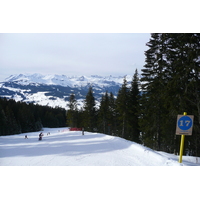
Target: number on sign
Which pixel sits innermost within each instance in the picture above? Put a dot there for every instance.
(184, 124)
(187, 122)
(181, 123)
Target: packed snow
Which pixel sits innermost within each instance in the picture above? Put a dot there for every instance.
(85, 167)
(63, 147)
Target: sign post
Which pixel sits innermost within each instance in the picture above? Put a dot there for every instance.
(184, 127)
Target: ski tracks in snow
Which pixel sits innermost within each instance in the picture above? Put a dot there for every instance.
(70, 148)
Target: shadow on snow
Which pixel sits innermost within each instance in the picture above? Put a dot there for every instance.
(61, 144)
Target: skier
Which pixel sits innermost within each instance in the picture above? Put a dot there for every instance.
(40, 136)
(26, 137)
(82, 131)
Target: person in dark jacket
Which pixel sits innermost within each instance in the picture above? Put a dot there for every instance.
(40, 136)
(82, 131)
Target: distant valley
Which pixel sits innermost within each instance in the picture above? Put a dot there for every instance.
(55, 90)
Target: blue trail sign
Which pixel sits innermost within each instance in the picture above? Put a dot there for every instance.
(184, 124)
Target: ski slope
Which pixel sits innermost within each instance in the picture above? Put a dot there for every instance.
(70, 148)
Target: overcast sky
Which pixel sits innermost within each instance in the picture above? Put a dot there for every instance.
(116, 50)
(78, 37)
(72, 53)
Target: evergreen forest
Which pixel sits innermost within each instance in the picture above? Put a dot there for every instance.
(144, 111)
(20, 117)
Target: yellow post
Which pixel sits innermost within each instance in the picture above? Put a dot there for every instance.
(182, 144)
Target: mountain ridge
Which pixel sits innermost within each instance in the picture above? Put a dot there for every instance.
(54, 79)
(54, 90)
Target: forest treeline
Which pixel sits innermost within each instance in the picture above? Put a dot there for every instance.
(144, 111)
(171, 85)
(20, 117)
(116, 116)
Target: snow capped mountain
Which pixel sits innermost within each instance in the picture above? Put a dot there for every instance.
(25, 79)
(63, 80)
(54, 90)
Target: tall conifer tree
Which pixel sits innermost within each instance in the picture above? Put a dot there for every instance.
(122, 108)
(72, 117)
(112, 109)
(134, 96)
(170, 83)
(183, 91)
(104, 113)
(90, 111)
(153, 84)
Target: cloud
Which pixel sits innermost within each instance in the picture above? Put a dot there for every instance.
(72, 53)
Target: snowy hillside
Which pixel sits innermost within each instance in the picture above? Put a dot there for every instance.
(55, 90)
(70, 148)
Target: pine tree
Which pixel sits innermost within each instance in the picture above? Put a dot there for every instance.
(26, 118)
(105, 114)
(102, 115)
(11, 122)
(170, 83)
(153, 84)
(89, 111)
(3, 125)
(122, 109)
(19, 117)
(184, 81)
(72, 112)
(112, 115)
(134, 97)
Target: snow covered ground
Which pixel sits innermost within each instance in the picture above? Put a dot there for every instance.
(109, 168)
(70, 148)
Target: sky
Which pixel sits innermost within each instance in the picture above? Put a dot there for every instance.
(78, 37)
(72, 53)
